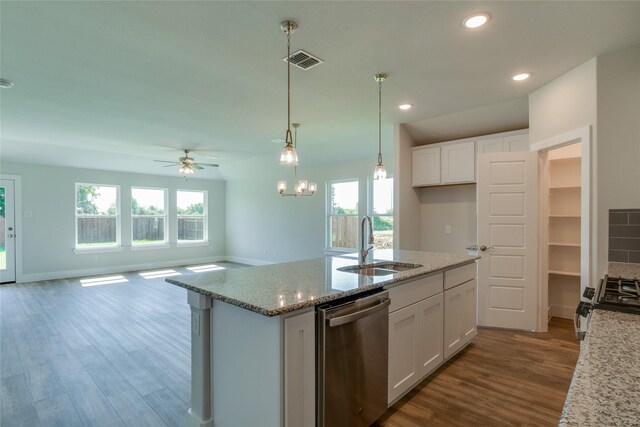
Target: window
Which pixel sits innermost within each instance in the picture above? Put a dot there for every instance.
(381, 212)
(148, 216)
(343, 214)
(97, 216)
(192, 216)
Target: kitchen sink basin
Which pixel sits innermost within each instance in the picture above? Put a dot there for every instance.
(379, 269)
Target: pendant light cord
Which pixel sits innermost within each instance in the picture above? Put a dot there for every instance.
(380, 122)
(288, 135)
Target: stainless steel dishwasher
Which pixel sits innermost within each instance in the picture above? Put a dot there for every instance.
(353, 349)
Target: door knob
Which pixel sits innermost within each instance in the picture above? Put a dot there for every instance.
(10, 228)
(10, 235)
(484, 248)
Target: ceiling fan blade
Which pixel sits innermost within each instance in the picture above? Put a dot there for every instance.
(170, 166)
(196, 166)
(165, 161)
(208, 164)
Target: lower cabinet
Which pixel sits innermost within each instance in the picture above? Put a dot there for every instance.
(415, 344)
(460, 310)
(299, 370)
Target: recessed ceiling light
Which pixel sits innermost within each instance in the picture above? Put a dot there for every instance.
(405, 106)
(6, 84)
(520, 76)
(477, 20)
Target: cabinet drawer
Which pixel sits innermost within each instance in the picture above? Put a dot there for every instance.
(459, 275)
(414, 291)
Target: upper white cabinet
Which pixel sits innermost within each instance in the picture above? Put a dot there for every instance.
(516, 142)
(507, 143)
(454, 162)
(425, 166)
(458, 162)
(492, 145)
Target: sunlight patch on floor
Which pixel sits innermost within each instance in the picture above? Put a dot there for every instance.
(106, 280)
(158, 274)
(203, 268)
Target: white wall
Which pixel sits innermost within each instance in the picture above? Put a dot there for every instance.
(406, 233)
(453, 206)
(566, 104)
(264, 227)
(604, 92)
(48, 236)
(618, 135)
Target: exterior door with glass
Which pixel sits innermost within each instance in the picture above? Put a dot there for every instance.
(7, 232)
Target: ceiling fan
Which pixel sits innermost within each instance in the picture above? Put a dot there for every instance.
(187, 164)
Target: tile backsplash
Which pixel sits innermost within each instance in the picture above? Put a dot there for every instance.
(624, 235)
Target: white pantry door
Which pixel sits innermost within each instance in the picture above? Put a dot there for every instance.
(507, 194)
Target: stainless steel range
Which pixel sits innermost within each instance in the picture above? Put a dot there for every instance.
(614, 294)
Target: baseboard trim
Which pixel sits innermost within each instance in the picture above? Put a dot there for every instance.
(53, 275)
(562, 311)
(249, 261)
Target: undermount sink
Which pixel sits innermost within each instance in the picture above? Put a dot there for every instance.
(379, 269)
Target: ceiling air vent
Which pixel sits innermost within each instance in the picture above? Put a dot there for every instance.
(303, 60)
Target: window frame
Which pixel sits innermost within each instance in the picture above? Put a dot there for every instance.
(370, 200)
(205, 216)
(165, 242)
(329, 215)
(112, 247)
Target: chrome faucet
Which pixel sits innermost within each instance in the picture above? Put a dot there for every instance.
(365, 251)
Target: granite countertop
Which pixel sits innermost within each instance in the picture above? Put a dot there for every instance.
(624, 269)
(275, 289)
(605, 390)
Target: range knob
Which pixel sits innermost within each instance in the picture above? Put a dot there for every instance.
(589, 293)
(584, 308)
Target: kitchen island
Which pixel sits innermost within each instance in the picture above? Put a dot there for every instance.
(253, 330)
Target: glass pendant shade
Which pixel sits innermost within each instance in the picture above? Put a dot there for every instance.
(302, 185)
(282, 186)
(313, 187)
(289, 157)
(380, 172)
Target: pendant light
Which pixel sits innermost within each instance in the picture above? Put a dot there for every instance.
(380, 172)
(300, 187)
(288, 157)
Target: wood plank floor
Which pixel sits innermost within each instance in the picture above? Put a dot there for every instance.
(504, 378)
(117, 354)
(110, 353)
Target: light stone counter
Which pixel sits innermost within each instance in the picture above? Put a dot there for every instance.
(624, 269)
(605, 390)
(276, 289)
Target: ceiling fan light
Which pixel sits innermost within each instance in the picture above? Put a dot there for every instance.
(289, 156)
(380, 172)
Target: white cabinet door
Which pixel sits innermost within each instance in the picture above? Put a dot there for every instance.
(460, 308)
(516, 142)
(452, 320)
(493, 145)
(458, 162)
(403, 350)
(469, 321)
(299, 365)
(430, 354)
(425, 166)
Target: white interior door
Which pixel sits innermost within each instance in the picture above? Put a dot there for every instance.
(7, 232)
(507, 236)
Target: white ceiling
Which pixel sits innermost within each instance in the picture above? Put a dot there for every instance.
(113, 85)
